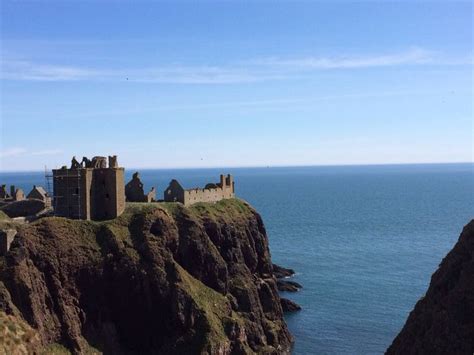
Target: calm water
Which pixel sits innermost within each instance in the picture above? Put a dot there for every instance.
(363, 240)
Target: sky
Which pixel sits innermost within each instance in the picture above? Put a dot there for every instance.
(236, 83)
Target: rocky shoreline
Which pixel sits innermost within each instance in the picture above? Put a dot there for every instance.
(284, 285)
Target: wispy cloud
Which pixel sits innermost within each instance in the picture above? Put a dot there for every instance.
(414, 56)
(19, 151)
(294, 102)
(257, 70)
(47, 152)
(12, 152)
(24, 70)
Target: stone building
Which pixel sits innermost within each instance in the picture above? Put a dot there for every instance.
(3, 192)
(89, 189)
(17, 194)
(210, 193)
(14, 195)
(39, 193)
(134, 191)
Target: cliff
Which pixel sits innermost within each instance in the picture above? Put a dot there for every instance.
(443, 321)
(161, 278)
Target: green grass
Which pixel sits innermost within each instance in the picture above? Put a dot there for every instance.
(55, 349)
(214, 306)
(16, 336)
(4, 217)
(140, 207)
(229, 209)
(58, 349)
(216, 310)
(171, 207)
(7, 223)
(91, 237)
(223, 210)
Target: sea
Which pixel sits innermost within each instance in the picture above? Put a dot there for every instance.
(363, 240)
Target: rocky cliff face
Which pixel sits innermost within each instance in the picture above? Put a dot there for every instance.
(161, 278)
(443, 321)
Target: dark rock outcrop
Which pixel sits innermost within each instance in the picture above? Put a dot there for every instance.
(284, 285)
(443, 321)
(159, 279)
(288, 305)
(288, 286)
(281, 272)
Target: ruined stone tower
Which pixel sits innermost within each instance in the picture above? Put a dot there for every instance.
(90, 189)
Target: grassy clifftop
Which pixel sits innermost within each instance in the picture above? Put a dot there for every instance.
(229, 208)
(160, 278)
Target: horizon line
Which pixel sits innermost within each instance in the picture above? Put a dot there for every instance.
(268, 166)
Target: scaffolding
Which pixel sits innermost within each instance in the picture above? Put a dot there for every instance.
(66, 195)
(48, 180)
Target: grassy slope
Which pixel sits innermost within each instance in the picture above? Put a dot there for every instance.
(214, 305)
(17, 337)
(3, 216)
(6, 222)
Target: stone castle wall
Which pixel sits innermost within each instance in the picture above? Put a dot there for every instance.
(108, 193)
(134, 191)
(89, 193)
(72, 192)
(211, 193)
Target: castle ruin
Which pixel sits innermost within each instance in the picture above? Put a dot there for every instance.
(89, 189)
(39, 193)
(14, 195)
(134, 191)
(95, 190)
(212, 192)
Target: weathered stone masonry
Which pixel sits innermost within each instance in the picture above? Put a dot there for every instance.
(210, 193)
(135, 193)
(90, 189)
(15, 194)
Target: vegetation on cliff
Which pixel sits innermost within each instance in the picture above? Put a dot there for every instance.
(161, 278)
(3, 216)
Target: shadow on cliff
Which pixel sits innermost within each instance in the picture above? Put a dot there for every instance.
(158, 279)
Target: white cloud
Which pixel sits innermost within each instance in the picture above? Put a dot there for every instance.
(47, 152)
(414, 56)
(12, 152)
(24, 70)
(19, 151)
(258, 70)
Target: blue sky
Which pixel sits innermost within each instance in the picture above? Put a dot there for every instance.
(236, 83)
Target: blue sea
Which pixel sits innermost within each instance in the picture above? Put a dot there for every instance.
(364, 240)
